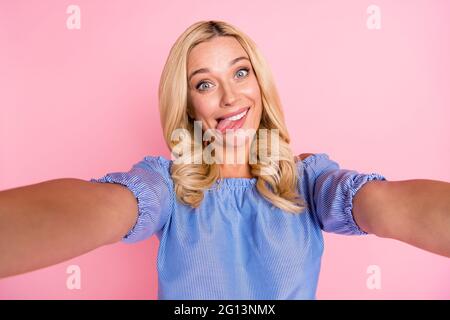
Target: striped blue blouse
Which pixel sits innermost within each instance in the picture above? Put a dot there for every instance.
(237, 245)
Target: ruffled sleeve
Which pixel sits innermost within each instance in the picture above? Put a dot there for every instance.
(331, 191)
(150, 182)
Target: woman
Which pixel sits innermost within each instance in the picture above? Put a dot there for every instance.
(228, 229)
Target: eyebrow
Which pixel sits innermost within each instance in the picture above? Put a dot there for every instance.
(206, 70)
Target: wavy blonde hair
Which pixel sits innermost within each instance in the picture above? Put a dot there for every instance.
(276, 180)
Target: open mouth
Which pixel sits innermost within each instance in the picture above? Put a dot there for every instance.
(232, 122)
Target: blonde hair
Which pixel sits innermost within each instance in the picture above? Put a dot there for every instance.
(279, 186)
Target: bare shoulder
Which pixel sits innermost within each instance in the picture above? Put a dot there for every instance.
(302, 156)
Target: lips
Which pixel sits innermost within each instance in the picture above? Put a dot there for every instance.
(233, 113)
(226, 123)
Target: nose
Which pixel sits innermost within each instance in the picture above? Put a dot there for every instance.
(229, 95)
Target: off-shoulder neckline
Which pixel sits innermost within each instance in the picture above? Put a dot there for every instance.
(244, 182)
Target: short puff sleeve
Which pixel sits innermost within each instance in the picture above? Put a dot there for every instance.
(150, 182)
(332, 191)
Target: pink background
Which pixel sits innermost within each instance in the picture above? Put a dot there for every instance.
(81, 103)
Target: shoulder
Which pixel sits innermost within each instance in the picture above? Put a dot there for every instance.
(316, 162)
(156, 165)
(303, 156)
(157, 162)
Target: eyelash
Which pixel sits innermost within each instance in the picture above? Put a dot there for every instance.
(201, 82)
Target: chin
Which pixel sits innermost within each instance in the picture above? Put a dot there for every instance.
(237, 138)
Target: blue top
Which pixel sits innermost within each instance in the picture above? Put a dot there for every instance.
(237, 245)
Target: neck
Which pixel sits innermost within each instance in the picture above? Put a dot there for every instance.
(235, 171)
(236, 164)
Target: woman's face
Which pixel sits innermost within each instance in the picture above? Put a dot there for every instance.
(221, 84)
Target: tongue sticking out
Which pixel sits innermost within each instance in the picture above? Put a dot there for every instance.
(224, 124)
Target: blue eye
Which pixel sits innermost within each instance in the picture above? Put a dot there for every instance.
(200, 84)
(245, 69)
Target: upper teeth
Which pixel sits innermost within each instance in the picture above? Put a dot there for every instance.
(238, 116)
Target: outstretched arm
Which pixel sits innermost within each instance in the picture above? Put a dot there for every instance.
(56, 220)
(413, 211)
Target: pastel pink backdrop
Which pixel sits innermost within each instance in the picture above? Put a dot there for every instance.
(81, 103)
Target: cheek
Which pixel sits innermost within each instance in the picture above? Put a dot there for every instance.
(255, 95)
(252, 91)
(203, 113)
(202, 108)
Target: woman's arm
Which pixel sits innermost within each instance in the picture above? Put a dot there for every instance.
(53, 221)
(413, 211)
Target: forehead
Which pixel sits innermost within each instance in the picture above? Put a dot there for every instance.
(218, 51)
